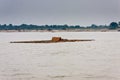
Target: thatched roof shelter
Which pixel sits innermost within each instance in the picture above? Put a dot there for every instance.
(56, 39)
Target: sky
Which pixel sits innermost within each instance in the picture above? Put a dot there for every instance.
(71, 12)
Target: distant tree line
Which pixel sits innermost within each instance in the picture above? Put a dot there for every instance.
(112, 25)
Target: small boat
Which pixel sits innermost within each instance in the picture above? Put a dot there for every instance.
(54, 40)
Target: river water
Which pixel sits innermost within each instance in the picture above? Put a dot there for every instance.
(94, 60)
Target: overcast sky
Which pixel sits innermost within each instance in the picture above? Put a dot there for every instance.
(71, 12)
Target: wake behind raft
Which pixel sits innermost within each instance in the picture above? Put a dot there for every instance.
(54, 40)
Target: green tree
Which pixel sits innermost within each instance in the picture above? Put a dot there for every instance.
(119, 23)
(113, 25)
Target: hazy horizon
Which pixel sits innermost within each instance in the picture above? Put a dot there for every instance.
(71, 12)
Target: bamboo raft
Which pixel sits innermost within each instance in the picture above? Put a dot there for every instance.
(54, 40)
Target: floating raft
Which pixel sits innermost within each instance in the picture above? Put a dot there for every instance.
(54, 40)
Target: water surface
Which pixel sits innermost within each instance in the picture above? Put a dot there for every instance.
(96, 60)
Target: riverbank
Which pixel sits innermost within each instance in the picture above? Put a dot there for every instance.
(76, 30)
